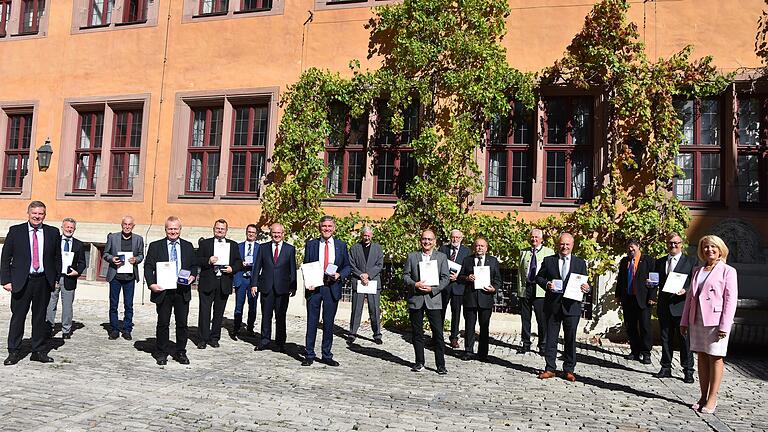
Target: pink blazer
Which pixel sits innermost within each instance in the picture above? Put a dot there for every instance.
(717, 301)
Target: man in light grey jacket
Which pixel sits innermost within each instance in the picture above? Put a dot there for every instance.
(367, 260)
(423, 295)
(123, 250)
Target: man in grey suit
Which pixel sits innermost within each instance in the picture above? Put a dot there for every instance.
(367, 260)
(122, 248)
(422, 296)
(530, 294)
(454, 292)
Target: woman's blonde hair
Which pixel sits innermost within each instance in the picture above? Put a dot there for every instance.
(715, 240)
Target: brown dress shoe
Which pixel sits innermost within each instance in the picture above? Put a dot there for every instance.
(546, 374)
(569, 376)
(455, 343)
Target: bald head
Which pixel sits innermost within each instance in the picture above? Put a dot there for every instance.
(565, 244)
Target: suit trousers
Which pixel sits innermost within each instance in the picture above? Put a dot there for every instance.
(530, 304)
(471, 316)
(277, 304)
(669, 327)
(209, 328)
(320, 298)
(37, 295)
(127, 287)
(569, 323)
(243, 293)
(172, 302)
(67, 299)
(417, 331)
(374, 312)
(456, 301)
(637, 322)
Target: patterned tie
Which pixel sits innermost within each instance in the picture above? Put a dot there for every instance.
(66, 245)
(532, 267)
(250, 249)
(454, 251)
(564, 268)
(175, 256)
(35, 250)
(325, 259)
(631, 276)
(670, 260)
(277, 252)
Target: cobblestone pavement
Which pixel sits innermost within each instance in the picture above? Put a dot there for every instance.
(99, 384)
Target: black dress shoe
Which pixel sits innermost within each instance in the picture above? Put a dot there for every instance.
(663, 373)
(66, 335)
(645, 359)
(214, 344)
(280, 348)
(482, 358)
(688, 378)
(201, 345)
(127, 336)
(182, 358)
(442, 370)
(468, 356)
(307, 362)
(378, 341)
(632, 356)
(114, 335)
(162, 361)
(329, 362)
(13, 358)
(418, 367)
(40, 357)
(523, 349)
(351, 340)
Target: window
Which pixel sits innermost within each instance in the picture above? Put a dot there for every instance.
(509, 141)
(394, 163)
(751, 162)
(205, 10)
(100, 12)
(89, 16)
(248, 151)
(568, 149)
(209, 7)
(31, 12)
(345, 152)
(125, 151)
(700, 152)
(18, 143)
(5, 16)
(88, 152)
(135, 11)
(204, 149)
(255, 5)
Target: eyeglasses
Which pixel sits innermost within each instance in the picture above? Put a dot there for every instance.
(427, 239)
(673, 243)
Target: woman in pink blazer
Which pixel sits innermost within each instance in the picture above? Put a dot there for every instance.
(708, 316)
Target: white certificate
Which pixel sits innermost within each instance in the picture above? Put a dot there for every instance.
(66, 260)
(454, 267)
(573, 289)
(313, 274)
(675, 282)
(166, 274)
(248, 260)
(331, 269)
(367, 289)
(126, 267)
(482, 277)
(221, 251)
(429, 273)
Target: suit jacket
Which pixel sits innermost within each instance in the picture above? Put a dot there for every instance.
(716, 299)
(17, 256)
(112, 249)
(642, 292)
(372, 266)
(479, 298)
(525, 263)
(158, 252)
(341, 259)
(455, 287)
(209, 282)
(78, 264)
(417, 299)
(550, 270)
(267, 275)
(240, 278)
(672, 304)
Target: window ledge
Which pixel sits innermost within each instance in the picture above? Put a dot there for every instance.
(118, 194)
(212, 14)
(559, 204)
(383, 200)
(240, 197)
(100, 26)
(248, 11)
(34, 33)
(342, 198)
(80, 194)
(124, 24)
(10, 192)
(198, 197)
(490, 202)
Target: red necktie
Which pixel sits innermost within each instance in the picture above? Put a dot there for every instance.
(277, 252)
(35, 250)
(325, 259)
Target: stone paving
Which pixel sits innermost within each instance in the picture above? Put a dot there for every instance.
(98, 384)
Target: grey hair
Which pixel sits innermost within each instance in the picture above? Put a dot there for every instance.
(69, 219)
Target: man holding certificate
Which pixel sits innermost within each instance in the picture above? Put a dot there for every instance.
(72, 266)
(636, 298)
(123, 251)
(456, 252)
(218, 258)
(242, 282)
(565, 278)
(169, 270)
(425, 275)
(331, 254)
(482, 278)
(670, 307)
(366, 259)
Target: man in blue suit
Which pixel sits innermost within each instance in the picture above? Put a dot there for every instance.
(325, 250)
(242, 282)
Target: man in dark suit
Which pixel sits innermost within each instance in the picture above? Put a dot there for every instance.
(215, 283)
(73, 248)
(29, 269)
(274, 276)
(242, 282)
(326, 250)
(554, 275)
(367, 260)
(670, 308)
(123, 249)
(180, 255)
(456, 252)
(636, 298)
(478, 303)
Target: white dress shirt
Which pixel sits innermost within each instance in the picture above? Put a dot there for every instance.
(321, 246)
(40, 244)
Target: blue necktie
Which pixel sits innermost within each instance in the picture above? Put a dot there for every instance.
(630, 275)
(66, 245)
(175, 256)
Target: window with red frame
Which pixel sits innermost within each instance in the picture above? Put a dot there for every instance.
(90, 130)
(255, 5)
(509, 141)
(700, 151)
(134, 11)
(204, 149)
(248, 150)
(345, 152)
(5, 16)
(568, 148)
(394, 163)
(752, 158)
(17, 146)
(31, 12)
(212, 7)
(100, 12)
(125, 150)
